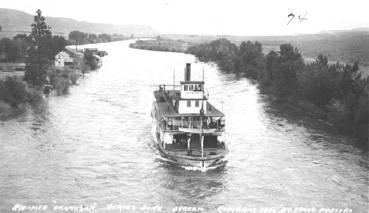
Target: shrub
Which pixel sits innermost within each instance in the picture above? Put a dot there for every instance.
(61, 85)
(90, 60)
(34, 95)
(13, 91)
(74, 76)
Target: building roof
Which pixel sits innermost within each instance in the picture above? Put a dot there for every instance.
(63, 53)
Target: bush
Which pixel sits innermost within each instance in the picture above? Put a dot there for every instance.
(34, 95)
(13, 91)
(335, 92)
(74, 76)
(61, 80)
(222, 51)
(61, 85)
(9, 50)
(90, 60)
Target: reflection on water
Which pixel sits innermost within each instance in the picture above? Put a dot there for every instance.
(95, 146)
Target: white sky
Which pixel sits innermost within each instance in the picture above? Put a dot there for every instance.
(233, 17)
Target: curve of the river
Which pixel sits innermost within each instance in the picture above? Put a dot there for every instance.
(95, 146)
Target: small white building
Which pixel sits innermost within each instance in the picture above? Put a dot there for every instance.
(63, 58)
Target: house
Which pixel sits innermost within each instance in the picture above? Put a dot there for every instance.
(67, 58)
(63, 59)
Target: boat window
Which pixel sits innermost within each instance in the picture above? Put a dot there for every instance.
(189, 103)
(191, 87)
(197, 103)
(185, 87)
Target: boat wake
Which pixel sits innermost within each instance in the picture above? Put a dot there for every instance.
(167, 161)
(201, 169)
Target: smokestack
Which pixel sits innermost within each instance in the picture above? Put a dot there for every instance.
(187, 76)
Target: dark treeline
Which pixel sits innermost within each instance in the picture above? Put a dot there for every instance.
(38, 50)
(77, 37)
(334, 92)
(15, 49)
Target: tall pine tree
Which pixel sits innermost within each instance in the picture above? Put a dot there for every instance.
(38, 53)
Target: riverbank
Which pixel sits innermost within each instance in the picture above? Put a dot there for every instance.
(328, 119)
(332, 92)
(83, 147)
(15, 93)
(166, 45)
(335, 93)
(80, 38)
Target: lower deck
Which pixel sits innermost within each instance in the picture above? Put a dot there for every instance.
(189, 145)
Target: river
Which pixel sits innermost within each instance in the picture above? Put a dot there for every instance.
(94, 146)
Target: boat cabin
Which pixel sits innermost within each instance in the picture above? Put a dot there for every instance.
(188, 108)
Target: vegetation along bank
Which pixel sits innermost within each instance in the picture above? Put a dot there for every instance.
(336, 92)
(39, 64)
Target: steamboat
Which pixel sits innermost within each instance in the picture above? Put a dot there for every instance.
(189, 131)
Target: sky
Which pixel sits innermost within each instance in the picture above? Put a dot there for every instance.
(221, 17)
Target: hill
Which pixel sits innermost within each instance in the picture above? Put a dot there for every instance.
(345, 45)
(14, 22)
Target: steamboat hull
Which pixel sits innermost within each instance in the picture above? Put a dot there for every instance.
(194, 162)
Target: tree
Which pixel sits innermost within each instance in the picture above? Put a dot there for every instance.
(23, 42)
(92, 38)
(8, 50)
(222, 51)
(250, 59)
(38, 54)
(316, 82)
(55, 45)
(266, 76)
(90, 60)
(78, 37)
(285, 76)
(13, 91)
(104, 37)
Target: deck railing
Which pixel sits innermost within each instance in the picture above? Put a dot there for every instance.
(175, 125)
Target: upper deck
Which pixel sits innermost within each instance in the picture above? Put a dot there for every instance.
(165, 103)
(187, 109)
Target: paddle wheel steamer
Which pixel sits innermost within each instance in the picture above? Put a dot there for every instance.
(188, 129)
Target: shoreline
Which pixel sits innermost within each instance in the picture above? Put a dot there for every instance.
(18, 93)
(318, 116)
(162, 45)
(326, 115)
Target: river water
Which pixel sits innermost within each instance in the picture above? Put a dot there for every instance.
(94, 147)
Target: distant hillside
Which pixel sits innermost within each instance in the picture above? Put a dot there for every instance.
(346, 45)
(13, 22)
